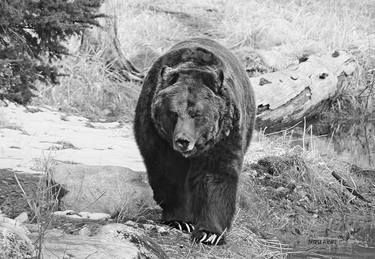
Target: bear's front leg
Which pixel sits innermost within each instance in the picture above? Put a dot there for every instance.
(213, 203)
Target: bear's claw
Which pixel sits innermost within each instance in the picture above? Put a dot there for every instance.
(180, 225)
(208, 238)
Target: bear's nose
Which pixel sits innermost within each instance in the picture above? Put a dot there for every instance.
(182, 143)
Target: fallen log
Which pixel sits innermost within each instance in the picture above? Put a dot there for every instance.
(285, 97)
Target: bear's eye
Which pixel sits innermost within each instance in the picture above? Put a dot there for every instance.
(172, 116)
(195, 113)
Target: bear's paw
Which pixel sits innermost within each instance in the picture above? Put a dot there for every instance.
(180, 225)
(207, 238)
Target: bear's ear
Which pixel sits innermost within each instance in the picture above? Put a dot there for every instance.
(220, 77)
(214, 80)
(169, 75)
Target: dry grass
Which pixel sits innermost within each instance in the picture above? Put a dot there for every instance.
(330, 25)
(356, 98)
(319, 207)
(269, 224)
(91, 89)
(42, 202)
(312, 26)
(291, 27)
(242, 243)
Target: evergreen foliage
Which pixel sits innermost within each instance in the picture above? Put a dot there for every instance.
(31, 36)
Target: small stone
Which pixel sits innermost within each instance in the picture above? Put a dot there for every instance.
(131, 223)
(264, 81)
(85, 231)
(294, 77)
(64, 213)
(323, 76)
(14, 242)
(103, 188)
(335, 54)
(304, 58)
(68, 214)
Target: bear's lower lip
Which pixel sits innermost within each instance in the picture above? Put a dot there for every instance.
(187, 153)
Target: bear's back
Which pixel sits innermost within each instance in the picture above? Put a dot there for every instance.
(209, 52)
(204, 52)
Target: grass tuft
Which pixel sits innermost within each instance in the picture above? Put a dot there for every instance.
(43, 201)
(91, 89)
(290, 194)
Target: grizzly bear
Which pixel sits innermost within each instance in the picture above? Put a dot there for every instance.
(193, 123)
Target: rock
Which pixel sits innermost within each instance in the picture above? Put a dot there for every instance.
(64, 213)
(147, 247)
(107, 189)
(94, 216)
(14, 242)
(71, 214)
(22, 218)
(82, 215)
(109, 241)
(60, 245)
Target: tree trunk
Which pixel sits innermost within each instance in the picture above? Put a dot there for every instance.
(285, 97)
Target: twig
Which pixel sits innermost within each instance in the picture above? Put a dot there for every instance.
(348, 187)
(23, 191)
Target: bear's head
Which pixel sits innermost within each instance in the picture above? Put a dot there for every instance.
(188, 109)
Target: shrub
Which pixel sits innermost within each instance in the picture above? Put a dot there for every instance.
(32, 33)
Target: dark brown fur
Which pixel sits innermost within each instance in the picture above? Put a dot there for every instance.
(198, 90)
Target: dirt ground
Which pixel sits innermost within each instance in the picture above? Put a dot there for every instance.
(12, 200)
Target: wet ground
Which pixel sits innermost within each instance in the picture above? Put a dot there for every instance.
(350, 141)
(352, 144)
(12, 198)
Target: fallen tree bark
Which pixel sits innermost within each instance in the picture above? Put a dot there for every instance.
(285, 97)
